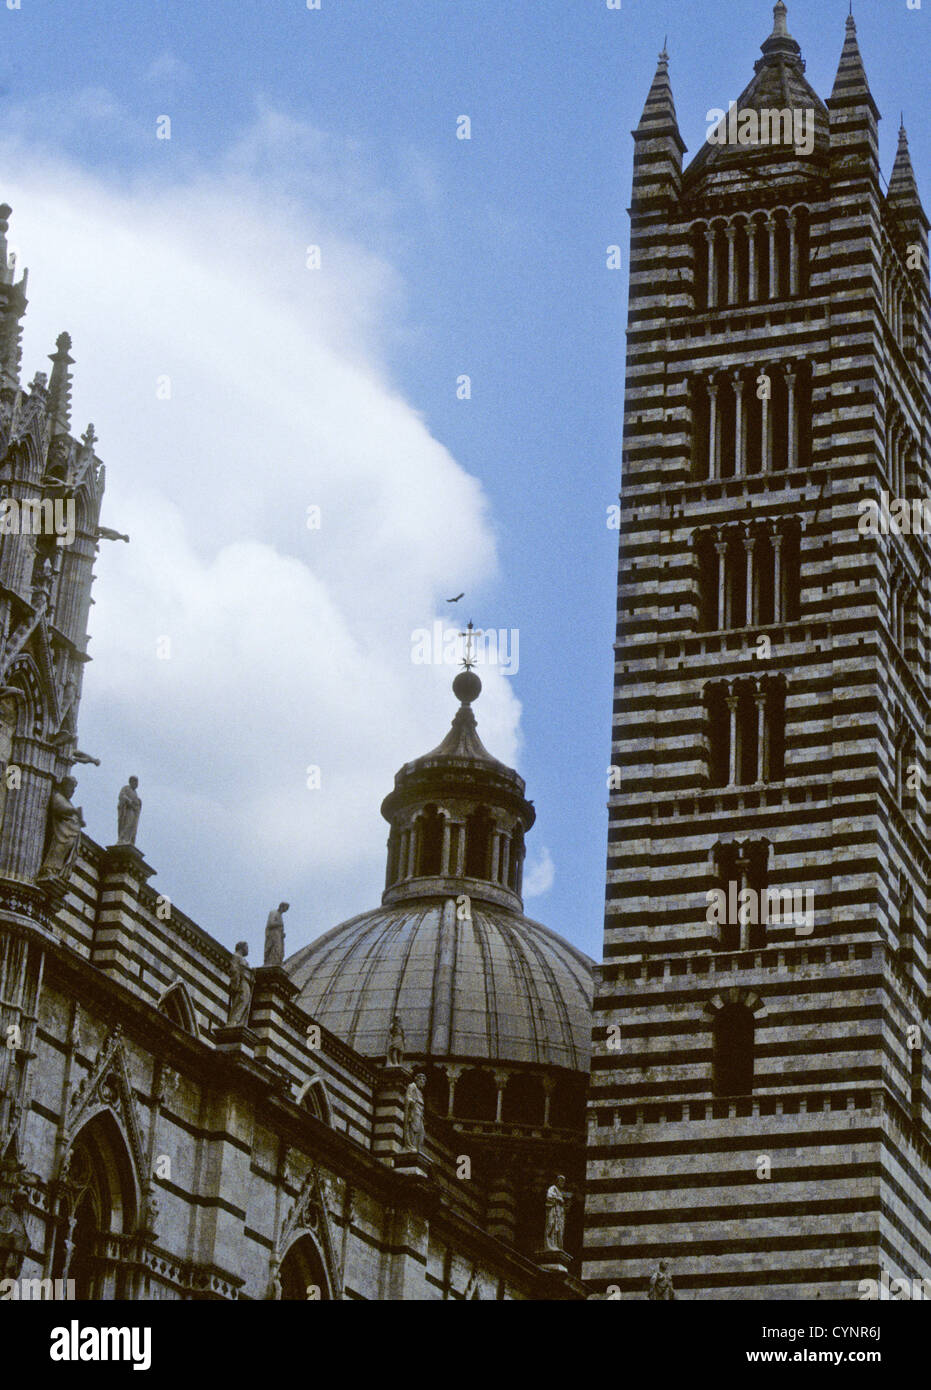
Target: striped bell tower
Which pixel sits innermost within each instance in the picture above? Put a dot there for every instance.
(760, 1106)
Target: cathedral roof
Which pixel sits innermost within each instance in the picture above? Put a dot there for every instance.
(778, 84)
(496, 986)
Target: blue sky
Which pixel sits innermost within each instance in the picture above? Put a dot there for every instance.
(487, 257)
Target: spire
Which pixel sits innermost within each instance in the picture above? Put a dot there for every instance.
(903, 194)
(850, 85)
(659, 112)
(780, 46)
(902, 185)
(658, 146)
(59, 388)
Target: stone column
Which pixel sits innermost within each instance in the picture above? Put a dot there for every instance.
(495, 854)
(791, 421)
(739, 460)
(453, 1073)
(505, 864)
(721, 548)
(447, 844)
(459, 856)
(741, 866)
(712, 428)
(732, 751)
(753, 276)
(766, 450)
(762, 751)
(731, 233)
(404, 849)
(793, 256)
(501, 1081)
(773, 282)
(712, 278)
(777, 577)
(751, 614)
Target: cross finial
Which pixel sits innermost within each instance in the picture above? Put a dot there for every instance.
(468, 660)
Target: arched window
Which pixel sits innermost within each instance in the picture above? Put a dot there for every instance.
(732, 1051)
(476, 1096)
(431, 843)
(523, 1102)
(478, 844)
(303, 1273)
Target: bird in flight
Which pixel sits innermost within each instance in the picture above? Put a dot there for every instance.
(456, 599)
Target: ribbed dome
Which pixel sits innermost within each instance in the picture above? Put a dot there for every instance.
(497, 987)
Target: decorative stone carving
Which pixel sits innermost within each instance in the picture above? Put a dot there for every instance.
(661, 1283)
(557, 1200)
(240, 987)
(129, 804)
(413, 1114)
(63, 835)
(396, 1043)
(274, 936)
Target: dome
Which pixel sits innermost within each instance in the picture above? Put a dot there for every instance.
(450, 951)
(494, 986)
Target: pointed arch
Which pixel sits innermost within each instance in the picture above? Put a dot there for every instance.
(103, 1200)
(176, 1003)
(303, 1272)
(313, 1096)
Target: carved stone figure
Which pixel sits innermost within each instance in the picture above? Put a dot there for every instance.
(396, 1043)
(274, 1291)
(128, 806)
(557, 1200)
(8, 698)
(274, 936)
(413, 1114)
(63, 834)
(240, 987)
(14, 1239)
(661, 1283)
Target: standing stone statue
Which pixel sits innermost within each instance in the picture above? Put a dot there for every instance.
(240, 987)
(413, 1114)
(127, 813)
(14, 1240)
(63, 834)
(274, 936)
(661, 1283)
(396, 1043)
(557, 1200)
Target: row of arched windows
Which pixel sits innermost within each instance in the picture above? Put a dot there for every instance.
(751, 258)
(435, 845)
(751, 421)
(901, 453)
(748, 574)
(746, 731)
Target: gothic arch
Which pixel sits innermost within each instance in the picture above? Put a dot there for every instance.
(100, 1200)
(176, 1003)
(314, 1097)
(303, 1267)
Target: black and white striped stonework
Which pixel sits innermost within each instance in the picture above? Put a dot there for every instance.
(760, 1107)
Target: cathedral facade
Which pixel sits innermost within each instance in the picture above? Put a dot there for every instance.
(761, 1099)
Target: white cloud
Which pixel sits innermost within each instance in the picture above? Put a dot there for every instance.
(539, 873)
(289, 647)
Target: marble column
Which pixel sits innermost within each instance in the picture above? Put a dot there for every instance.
(732, 712)
(721, 548)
